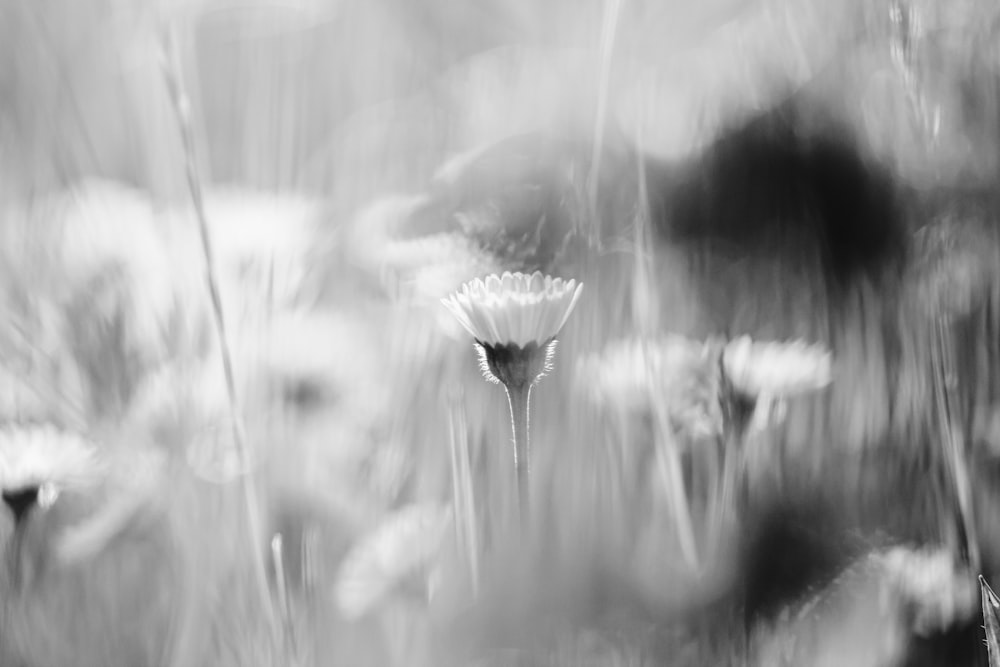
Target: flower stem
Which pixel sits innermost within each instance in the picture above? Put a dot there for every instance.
(954, 446)
(668, 461)
(732, 476)
(182, 110)
(462, 491)
(519, 400)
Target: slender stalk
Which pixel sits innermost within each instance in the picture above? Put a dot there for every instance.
(609, 28)
(954, 446)
(725, 504)
(669, 463)
(464, 501)
(284, 604)
(519, 400)
(15, 555)
(182, 109)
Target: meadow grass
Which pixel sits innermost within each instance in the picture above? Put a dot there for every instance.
(382, 405)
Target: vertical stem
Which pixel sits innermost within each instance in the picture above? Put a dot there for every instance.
(669, 463)
(733, 498)
(182, 109)
(519, 399)
(668, 459)
(465, 509)
(726, 502)
(15, 563)
(954, 446)
(281, 579)
(609, 27)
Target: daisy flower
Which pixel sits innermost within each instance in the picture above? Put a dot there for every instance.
(37, 464)
(515, 308)
(756, 380)
(780, 370)
(37, 455)
(670, 371)
(514, 319)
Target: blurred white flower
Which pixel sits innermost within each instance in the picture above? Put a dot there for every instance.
(102, 233)
(100, 223)
(431, 267)
(32, 455)
(940, 592)
(776, 369)
(955, 265)
(671, 372)
(261, 241)
(404, 545)
(514, 308)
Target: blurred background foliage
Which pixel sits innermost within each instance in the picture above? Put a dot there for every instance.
(779, 168)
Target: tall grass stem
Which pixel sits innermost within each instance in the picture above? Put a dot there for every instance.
(182, 109)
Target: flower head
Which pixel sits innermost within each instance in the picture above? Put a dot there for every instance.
(776, 369)
(954, 266)
(515, 308)
(676, 373)
(41, 454)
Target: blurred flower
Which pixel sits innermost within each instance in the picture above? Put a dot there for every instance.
(403, 546)
(112, 259)
(37, 464)
(37, 454)
(776, 369)
(768, 411)
(262, 245)
(675, 373)
(433, 266)
(937, 591)
(514, 308)
(99, 224)
(955, 265)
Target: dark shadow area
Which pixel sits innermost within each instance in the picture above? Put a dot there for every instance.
(773, 187)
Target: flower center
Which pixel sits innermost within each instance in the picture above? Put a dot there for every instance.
(21, 501)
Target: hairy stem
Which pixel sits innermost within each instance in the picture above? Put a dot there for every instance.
(519, 400)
